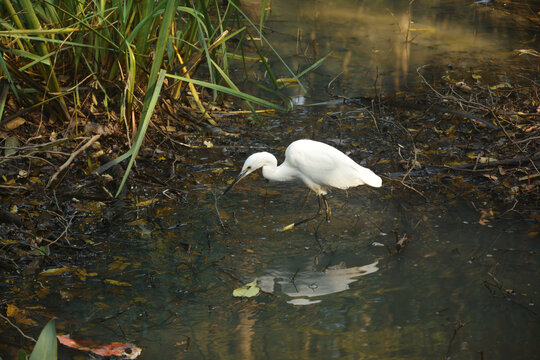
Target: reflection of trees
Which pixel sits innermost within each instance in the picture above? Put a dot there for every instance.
(374, 42)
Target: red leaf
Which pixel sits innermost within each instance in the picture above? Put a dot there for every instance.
(127, 350)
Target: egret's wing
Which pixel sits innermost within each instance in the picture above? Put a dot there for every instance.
(319, 164)
(326, 166)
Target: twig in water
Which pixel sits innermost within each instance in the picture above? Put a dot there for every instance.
(334, 79)
(66, 223)
(17, 328)
(511, 209)
(458, 326)
(72, 157)
(217, 209)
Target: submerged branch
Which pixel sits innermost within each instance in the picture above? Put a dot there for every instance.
(72, 157)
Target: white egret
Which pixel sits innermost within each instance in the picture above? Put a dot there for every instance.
(318, 165)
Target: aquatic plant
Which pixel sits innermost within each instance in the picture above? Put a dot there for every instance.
(76, 60)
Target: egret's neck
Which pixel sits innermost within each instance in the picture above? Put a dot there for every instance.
(278, 173)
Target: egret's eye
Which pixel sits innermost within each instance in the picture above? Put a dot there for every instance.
(249, 167)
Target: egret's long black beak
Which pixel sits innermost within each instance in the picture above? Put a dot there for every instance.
(237, 179)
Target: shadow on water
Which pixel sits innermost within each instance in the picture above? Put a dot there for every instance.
(465, 286)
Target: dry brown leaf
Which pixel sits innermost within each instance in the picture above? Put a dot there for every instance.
(146, 202)
(463, 86)
(15, 123)
(82, 274)
(208, 143)
(402, 242)
(486, 216)
(55, 271)
(118, 265)
(486, 160)
(117, 283)
(20, 315)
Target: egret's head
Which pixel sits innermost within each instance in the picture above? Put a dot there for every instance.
(252, 163)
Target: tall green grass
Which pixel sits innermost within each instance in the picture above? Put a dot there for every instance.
(116, 46)
(54, 51)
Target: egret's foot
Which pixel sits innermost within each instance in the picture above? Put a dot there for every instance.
(327, 208)
(328, 214)
(288, 227)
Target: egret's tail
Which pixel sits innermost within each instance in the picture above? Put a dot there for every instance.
(368, 177)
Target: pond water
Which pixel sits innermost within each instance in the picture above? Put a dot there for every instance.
(331, 290)
(464, 287)
(374, 45)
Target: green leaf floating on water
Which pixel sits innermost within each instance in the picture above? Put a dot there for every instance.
(249, 290)
(46, 345)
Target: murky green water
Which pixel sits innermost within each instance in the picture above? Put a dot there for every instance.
(460, 289)
(331, 290)
(374, 45)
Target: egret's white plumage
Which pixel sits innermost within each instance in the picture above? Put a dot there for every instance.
(318, 165)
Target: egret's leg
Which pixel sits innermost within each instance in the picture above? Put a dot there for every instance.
(320, 197)
(305, 197)
(319, 213)
(327, 207)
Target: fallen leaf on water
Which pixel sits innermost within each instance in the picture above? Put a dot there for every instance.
(491, 177)
(208, 143)
(34, 180)
(117, 283)
(20, 315)
(455, 163)
(476, 77)
(402, 242)
(92, 207)
(486, 160)
(124, 350)
(249, 290)
(481, 159)
(500, 86)
(118, 265)
(146, 202)
(66, 295)
(463, 86)
(54, 272)
(82, 274)
(486, 216)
